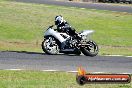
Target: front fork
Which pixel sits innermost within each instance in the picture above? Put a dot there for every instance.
(52, 41)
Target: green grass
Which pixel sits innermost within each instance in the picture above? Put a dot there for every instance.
(37, 79)
(25, 23)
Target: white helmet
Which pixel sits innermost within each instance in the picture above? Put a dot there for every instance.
(58, 20)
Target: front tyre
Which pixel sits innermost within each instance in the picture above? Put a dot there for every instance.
(50, 46)
(90, 50)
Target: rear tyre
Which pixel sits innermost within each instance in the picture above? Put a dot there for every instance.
(91, 50)
(78, 52)
(113, 1)
(118, 1)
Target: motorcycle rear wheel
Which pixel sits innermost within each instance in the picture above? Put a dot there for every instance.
(91, 50)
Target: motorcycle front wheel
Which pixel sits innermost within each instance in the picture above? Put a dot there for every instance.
(90, 50)
(50, 46)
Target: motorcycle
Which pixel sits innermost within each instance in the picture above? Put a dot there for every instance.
(53, 40)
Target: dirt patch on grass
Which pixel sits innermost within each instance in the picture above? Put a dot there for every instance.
(20, 46)
(115, 50)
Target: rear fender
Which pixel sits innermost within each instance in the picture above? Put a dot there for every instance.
(86, 32)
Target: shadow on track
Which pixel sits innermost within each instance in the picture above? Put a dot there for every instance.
(39, 53)
(25, 52)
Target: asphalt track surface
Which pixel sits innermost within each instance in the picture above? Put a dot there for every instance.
(98, 6)
(41, 61)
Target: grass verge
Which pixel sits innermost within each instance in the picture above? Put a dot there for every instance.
(37, 79)
(22, 26)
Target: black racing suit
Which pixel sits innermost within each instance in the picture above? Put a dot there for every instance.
(65, 27)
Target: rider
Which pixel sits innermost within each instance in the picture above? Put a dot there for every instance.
(63, 26)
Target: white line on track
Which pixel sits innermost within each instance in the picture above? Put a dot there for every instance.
(116, 55)
(73, 7)
(50, 70)
(82, 8)
(64, 71)
(98, 72)
(14, 69)
(126, 73)
(72, 71)
(128, 56)
(113, 55)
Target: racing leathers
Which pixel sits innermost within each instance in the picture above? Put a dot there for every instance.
(66, 28)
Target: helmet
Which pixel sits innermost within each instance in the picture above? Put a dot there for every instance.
(58, 20)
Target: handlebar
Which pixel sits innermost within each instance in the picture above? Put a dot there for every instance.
(51, 26)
